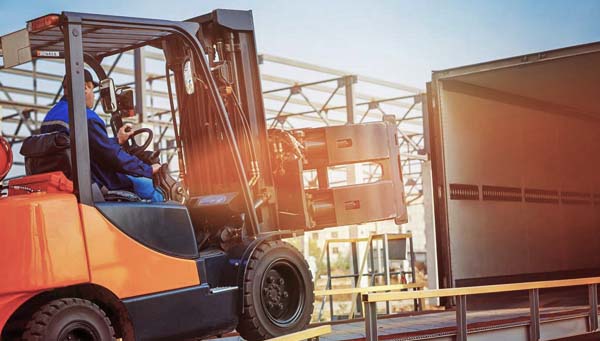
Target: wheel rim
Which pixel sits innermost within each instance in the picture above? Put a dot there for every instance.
(282, 293)
(79, 331)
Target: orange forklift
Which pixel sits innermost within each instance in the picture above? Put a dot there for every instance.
(81, 263)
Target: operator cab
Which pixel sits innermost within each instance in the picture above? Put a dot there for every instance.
(207, 215)
(219, 143)
(51, 152)
(165, 227)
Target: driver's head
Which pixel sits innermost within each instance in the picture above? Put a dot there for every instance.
(90, 84)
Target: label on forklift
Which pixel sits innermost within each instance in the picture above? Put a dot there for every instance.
(47, 182)
(55, 54)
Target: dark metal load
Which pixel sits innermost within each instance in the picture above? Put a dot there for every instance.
(322, 148)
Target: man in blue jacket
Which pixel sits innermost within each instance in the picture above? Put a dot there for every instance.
(111, 166)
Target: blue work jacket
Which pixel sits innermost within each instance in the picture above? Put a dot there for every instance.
(108, 161)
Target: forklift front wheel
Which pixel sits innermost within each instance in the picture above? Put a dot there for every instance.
(278, 292)
(69, 319)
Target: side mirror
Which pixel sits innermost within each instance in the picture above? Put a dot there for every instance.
(125, 101)
(108, 96)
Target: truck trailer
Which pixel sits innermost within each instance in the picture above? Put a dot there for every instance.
(514, 146)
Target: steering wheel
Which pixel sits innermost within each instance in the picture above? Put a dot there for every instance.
(135, 148)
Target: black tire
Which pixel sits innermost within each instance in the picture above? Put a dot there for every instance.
(69, 319)
(273, 307)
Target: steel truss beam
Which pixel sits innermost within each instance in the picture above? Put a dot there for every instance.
(20, 117)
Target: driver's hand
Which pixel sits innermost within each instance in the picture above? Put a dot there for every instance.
(155, 168)
(124, 133)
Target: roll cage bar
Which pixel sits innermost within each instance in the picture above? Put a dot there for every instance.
(88, 38)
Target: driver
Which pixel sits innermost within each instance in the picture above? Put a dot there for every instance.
(111, 166)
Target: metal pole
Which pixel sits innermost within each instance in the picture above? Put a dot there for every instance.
(35, 87)
(356, 272)
(234, 63)
(430, 242)
(534, 308)
(386, 260)
(324, 298)
(371, 321)
(461, 318)
(386, 266)
(412, 270)
(372, 261)
(313, 67)
(349, 91)
(593, 300)
(329, 283)
(80, 153)
(140, 82)
(17, 130)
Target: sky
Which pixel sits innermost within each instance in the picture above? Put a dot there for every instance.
(401, 41)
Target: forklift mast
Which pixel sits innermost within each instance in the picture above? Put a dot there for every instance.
(275, 160)
(227, 38)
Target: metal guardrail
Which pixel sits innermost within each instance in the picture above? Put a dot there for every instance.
(372, 289)
(368, 256)
(311, 333)
(370, 301)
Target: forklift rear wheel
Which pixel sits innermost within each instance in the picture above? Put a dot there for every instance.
(278, 292)
(69, 319)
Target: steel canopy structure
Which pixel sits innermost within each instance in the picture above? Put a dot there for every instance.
(296, 95)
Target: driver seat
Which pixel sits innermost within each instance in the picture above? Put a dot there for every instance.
(46, 153)
(51, 152)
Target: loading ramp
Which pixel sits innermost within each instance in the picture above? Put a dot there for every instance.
(503, 324)
(568, 322)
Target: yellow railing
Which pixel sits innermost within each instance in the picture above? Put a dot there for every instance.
(365, 290)
(370, 301)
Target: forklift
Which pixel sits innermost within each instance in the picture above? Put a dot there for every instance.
(79, 262)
